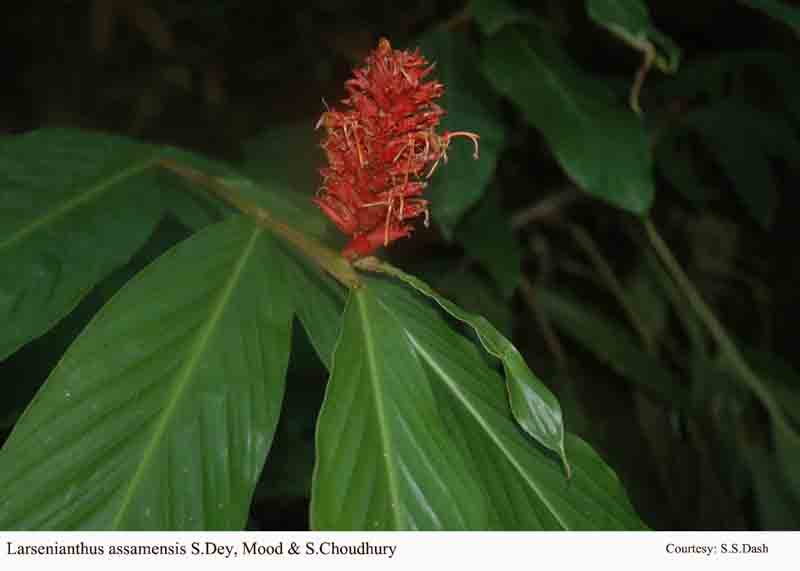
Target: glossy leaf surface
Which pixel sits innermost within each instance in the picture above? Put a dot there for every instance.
(373, 451)
(533, 405)
(160, 415)
(384, 458)
(74, 206)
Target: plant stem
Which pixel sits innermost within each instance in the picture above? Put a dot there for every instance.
(328, 259)
(730, 356)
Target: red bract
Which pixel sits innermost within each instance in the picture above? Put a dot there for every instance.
(382, 148)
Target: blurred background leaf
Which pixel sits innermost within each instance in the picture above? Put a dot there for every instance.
(743, 139)
(601, 145)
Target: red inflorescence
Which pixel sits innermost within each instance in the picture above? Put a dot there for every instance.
(382, 148)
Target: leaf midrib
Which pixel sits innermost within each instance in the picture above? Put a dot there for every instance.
(483, 424)
(185, 374)
(380, 411)
(63, 209)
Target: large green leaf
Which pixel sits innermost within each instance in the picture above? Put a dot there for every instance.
(533, 405)
(161, 413)
(471, 106)
(396, 434)
(602, 146)
(384, 458)
(630, 21)
(73, 207)
(191, 199)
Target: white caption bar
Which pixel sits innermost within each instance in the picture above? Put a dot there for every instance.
(249, 550)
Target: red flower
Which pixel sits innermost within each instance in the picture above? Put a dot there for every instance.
(382, 148)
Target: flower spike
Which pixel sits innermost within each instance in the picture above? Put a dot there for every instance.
(381, 147)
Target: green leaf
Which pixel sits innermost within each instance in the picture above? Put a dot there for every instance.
(536, 409)
(435, 386)
(789, 15)
(275, 194)
(75, 206)
(602, 146)
(282, 169)
(282, 158)
(471, 106)
(494, 15)
(160, 415)
(611, 343)
(488, 238)
(189, 202)
(293, 208)
(384, 458)
(191, 206)
(318, 302)
(630, 21)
